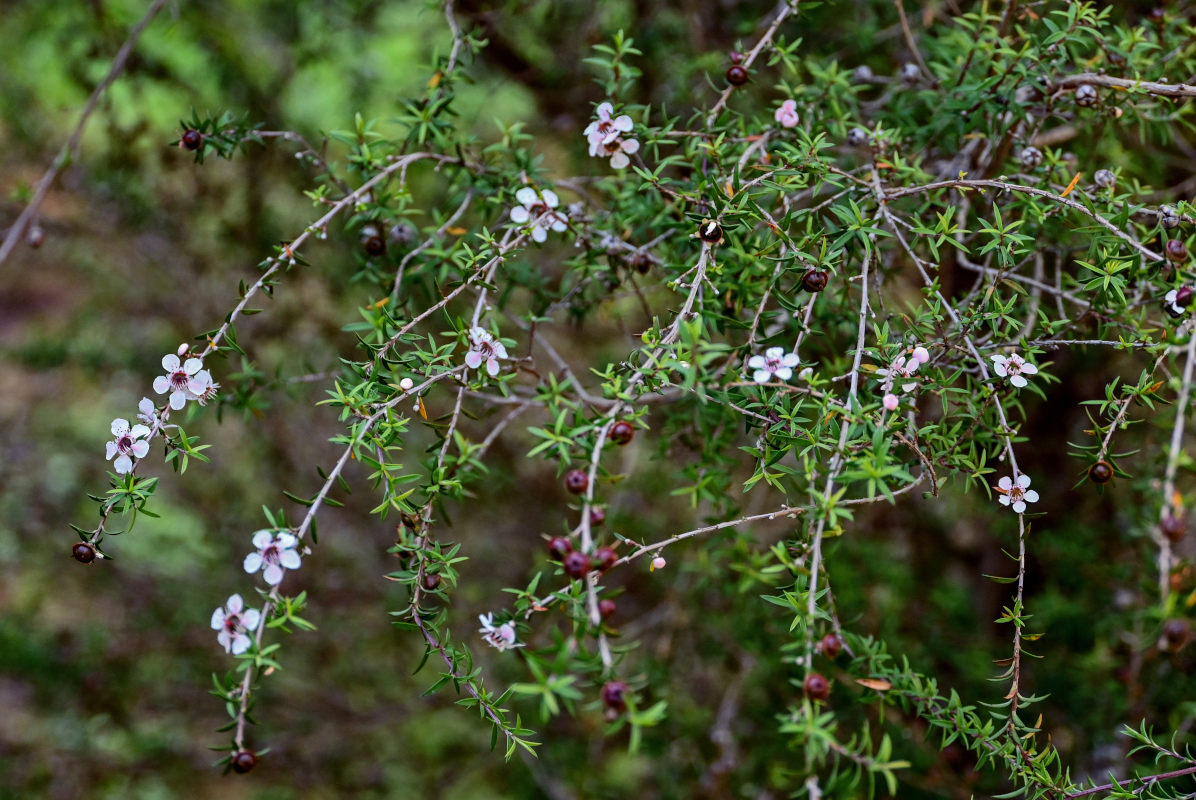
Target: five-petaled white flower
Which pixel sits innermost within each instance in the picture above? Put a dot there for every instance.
(903, 367)
(787, 114)
(539, 208)
(1016, 494)
(234, 622)
(502, 636)
(1013, 366)
(484, 347)
(275, 553)
(186, 380)
(605, 135)
(129, 444)
(774, 363)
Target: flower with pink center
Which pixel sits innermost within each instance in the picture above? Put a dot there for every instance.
(903, 367)
(1016, 493)
(1014, 367)
(235, 622)
(275, 554)
(501, 637)
(129, 444)
(484, 347)
(182, 380)
(606, 139)
(774, 363)
(787, 114)
(539, 208)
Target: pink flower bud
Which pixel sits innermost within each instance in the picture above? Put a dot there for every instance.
(891, 402)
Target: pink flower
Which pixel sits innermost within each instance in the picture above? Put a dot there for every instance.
(502, 637)
(787, 114)
(129, 444)
(275, 554)
(234, 622)
(1016, 494)
(605, 136)
(1013, 366)
(182, 380)
(484, 347)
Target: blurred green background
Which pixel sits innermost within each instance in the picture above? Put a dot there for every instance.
(104, 671)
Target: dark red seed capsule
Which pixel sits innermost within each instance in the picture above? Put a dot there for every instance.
(614, 695)
(192, 140)
(1101, 472)
(621, 432)
(559, 547)
(737, 75)
(577, 481)
(577, 564)
(243, 761)
(817, 686)
(84, 553)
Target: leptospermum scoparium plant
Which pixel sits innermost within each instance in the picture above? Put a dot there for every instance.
(925, 243)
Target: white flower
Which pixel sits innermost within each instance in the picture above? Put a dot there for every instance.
(1016, 494)
(774, 363)
(207, 387)
(787, 114)
(129, 444)
(181, 380)
(501, 637)
(901, 368)
(484, 347)
(147, 412)
(540, 209)
(275, 552)
(605, 136)
(234, 622)
(1013, 366)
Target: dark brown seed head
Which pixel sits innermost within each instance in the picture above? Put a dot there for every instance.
(559, 547)
(1173, 527)
(431, 582)
(737, 75)
(1176, 250)
(607, 608)
(84, 553)
(614, 695)
(1101, 472)
(1176, 634)
(815, 280)
(606, 557)
(817, 687)
(710, 232)
(831, 645)
(576, 481)
(621, 432)
(192, 140)
(243, 761)
(577, 564)
(597, 515)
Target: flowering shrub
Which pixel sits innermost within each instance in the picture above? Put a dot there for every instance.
(922, 238)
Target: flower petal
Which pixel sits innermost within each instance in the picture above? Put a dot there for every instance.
(520, 215)
(1003, 500)
(120, 427)
(622, 123)
(492, 367)
(630, 146)
(790, 360)
(218, 619)
(110, 447)
(170, 362)
(604, 111)
(539, 234)
(235, 604)
(1019, 506)
(619, 160)
(1030, 496)
(762, 376)
(756, 362)
(273, 574)
(139, 431)
(1018, 381)
(123, 465)
(289, 559)
(1023, 480)
(1005, 483)
(784, 373)
(550, 198)
(192, 366)
(473, 359)
(774, 353)
(251, 618)
(527, 195)
(287, 540)
(140, 449)
(921, 354)
(240, 644)
(252, 563)
(1029, 369)
(262, 539)
(161, 384)
(178, 400)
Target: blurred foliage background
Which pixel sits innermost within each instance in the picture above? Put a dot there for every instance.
(104, 671)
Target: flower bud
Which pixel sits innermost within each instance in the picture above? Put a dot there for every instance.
(614, 695)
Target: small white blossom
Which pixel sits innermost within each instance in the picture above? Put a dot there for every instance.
(484, 347)
(1014, 367)
(1016, 494)
(606, 139)
(147, 412)
(539, 208)
(182, 380)
(502, 636)
(275, 554)
(787, 114)
(234, 622)
(129, 444)
(774, 363)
